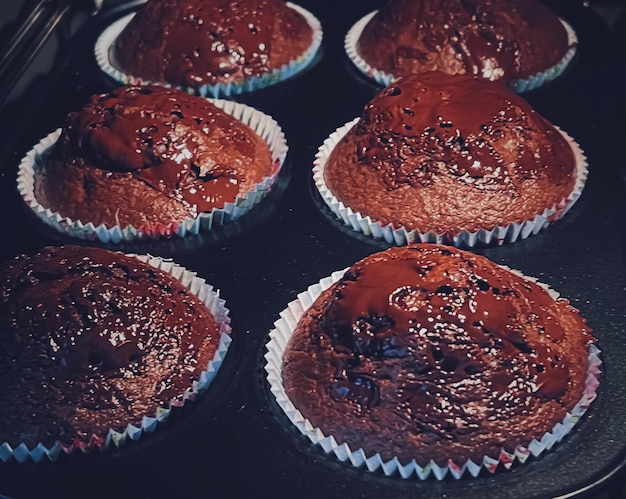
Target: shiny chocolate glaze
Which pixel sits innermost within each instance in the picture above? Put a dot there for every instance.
(92, 340)
(495, 39)
(198, 42)
(430, 352)
(142, 155)
(446, 153)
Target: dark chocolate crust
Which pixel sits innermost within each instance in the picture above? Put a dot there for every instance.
(149, 155)
(450, 153)
(428, 352)
(495, 39)
(199, 42)
(92, 340)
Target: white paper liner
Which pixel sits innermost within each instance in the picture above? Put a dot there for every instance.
(265, 126)
(518, 85)
(149, 423)
(400, 235)
(104, 45)
(278, 339)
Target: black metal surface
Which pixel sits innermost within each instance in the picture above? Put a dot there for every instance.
(236, 442)
(27, 40)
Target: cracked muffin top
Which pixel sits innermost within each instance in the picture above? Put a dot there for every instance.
(429, 352)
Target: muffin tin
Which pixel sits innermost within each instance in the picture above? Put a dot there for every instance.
(236, 442)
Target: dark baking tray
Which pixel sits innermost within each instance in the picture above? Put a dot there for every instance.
(236, 442)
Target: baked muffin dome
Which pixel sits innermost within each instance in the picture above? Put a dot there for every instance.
(495, 39)
(428, 352)
(450, 153)
(145, 155)
(92, 340)
(198, 42)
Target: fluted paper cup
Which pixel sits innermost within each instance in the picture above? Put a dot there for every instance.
(262, 124)
(135, 430)
(371, 460)
(399, 235)
(105, 43)
(518, 85)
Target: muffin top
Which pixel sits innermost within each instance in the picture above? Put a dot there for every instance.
(198, 42)
(144, 154)
(92, 340)
(429, 352)
(495, 39)
(450, 153)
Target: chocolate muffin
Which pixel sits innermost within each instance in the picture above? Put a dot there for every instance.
(149, 155)
(92, 340)
(450, 153)
(495, 39)
(192, 43)
(428, 352)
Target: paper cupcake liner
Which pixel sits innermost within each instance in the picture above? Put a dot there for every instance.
(149, 423)
(373, 462)
(265, 126)
(400, 235)
(518, 85)
(105, 42)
